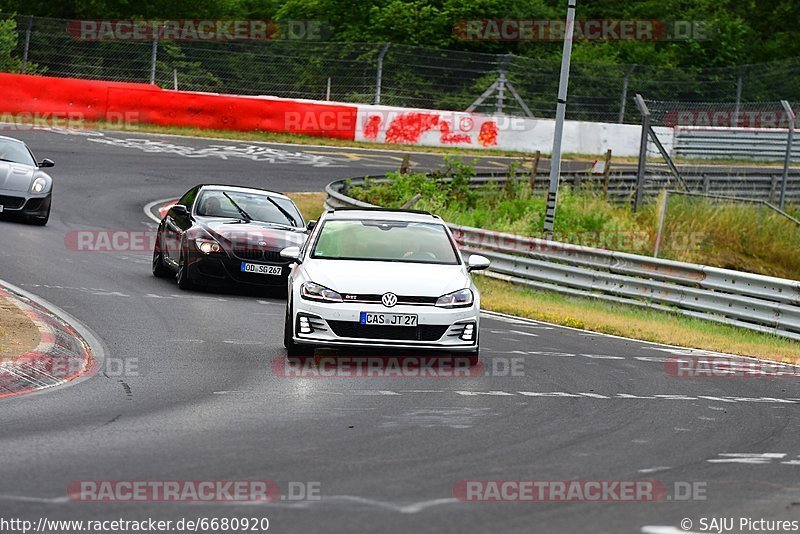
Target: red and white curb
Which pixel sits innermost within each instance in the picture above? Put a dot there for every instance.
(156, 210)
(65, 353)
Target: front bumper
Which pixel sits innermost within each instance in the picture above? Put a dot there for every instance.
(25, 203)
(337, 325)
(220, 269)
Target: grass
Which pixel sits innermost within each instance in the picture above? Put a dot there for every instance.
(311, 205)
(617, 319)
(722, 234)
(633, 322)
(18, 334)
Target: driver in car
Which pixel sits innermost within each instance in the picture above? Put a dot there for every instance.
(212, 207)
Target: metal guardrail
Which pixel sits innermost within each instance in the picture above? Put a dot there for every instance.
(739, 143)
(755, 302)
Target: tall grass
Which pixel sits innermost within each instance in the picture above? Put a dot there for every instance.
(722, 234)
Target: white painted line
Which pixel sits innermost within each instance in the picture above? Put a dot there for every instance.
(654, 469)
(149, 206)
(520, 332)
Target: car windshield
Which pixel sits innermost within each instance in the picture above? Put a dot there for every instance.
(248, 206)
(15, 152)
(399, 241)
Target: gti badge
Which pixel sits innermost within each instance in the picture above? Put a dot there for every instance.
(389, 299)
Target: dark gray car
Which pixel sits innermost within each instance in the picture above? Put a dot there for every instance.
(25, 189)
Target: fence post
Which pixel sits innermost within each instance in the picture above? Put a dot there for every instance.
(27, 45)
(739, 82)
(154, 58)
(606, 173)
(534, 169)
(328, 90)
(642, 151)
(175, 79)
(625, 92)
(379, 77)
(788, 159)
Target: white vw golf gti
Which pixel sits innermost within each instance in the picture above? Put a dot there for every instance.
(382, 279)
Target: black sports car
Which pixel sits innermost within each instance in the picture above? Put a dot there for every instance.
(219, 234)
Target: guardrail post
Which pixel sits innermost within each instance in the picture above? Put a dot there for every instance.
(27, 45)
(642, 150)
(787, 160)
(706, 183)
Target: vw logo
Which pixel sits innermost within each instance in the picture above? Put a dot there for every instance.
(389, 299)
(262, 243)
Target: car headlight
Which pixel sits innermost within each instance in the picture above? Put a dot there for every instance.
(38, 185)
(207, 246)
(457, 299)
(312, 291)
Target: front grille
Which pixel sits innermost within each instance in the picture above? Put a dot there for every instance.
(12, 203)
(423, 332)
(256, 254)
(401, 299)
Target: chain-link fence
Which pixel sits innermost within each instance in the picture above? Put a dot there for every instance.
(393, 74)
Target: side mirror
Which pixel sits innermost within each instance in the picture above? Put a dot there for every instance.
(477, 263)
(291, 253)
(310, 226)
(46, 163)
(180, 210)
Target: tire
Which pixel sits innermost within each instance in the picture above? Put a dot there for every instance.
(293, 350)
(183, 275)
(159, 269)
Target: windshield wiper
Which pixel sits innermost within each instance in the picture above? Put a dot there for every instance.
(243, 213)
(284, 212)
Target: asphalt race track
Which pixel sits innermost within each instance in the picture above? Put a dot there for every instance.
(200, 399)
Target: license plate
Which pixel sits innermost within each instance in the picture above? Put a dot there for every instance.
(388, 319)
(261, 269)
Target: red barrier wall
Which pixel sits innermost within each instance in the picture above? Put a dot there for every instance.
(100, 100)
